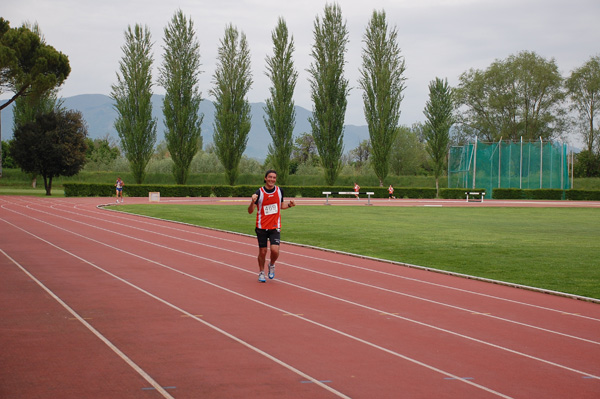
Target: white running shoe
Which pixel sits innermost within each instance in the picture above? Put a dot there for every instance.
(261, 277)
(271, 271)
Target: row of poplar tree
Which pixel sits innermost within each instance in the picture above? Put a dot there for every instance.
(522, 96)
(381, 79)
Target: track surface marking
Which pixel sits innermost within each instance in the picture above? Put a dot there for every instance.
(98, 304)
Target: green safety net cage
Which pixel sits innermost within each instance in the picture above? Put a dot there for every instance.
(508, 164)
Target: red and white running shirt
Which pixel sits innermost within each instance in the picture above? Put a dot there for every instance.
(268, 216)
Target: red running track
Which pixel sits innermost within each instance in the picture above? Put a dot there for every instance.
(97, 304)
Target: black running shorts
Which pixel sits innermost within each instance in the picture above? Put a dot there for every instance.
(263, 235)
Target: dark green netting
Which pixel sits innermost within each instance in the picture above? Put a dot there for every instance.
(507, 164)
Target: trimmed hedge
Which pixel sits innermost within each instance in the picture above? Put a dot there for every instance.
(538, 194)
(546, 194)
(456, 193)
(508, 193)
(583, 195)
(142, 190)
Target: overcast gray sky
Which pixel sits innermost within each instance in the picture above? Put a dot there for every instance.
(438, 38)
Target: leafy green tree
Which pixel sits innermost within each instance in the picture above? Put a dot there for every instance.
(161, 151)
(587, 164)
(51, 146)
(359, 156)
(439, 119)
(305, 150)
(583, 87)
(329, 89)
(8, 161)
(232, 81)
(179, 76)
(280, 113)
(28, 107)
(382, 82)
(408, 155)
(132, 95)
(101, 153)
(521, 96)
(28, 66)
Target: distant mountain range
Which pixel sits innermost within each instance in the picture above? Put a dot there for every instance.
(98, 112)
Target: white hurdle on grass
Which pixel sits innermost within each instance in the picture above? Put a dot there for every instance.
(328, 193)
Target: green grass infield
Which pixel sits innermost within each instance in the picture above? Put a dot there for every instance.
(551, 248)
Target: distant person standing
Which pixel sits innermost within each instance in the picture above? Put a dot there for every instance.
(119, 185)
(391, 192)
(268, 201)
(356, 190)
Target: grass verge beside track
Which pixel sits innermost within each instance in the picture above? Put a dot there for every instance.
(551, 248)
(35, 192)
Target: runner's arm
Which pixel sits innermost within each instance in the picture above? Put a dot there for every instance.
(253, 203)
(289, 204)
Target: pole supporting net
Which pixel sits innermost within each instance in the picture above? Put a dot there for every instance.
(508, 164)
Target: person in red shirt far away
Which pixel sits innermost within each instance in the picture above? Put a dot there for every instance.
(356, 190)
(391, 192)
(268, 201)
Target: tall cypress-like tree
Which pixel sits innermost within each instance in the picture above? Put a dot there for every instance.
(132, 95)
(232, 81)
(280, 113)
(329, 89)
(439, 119)
(382, 82)
(179, 76)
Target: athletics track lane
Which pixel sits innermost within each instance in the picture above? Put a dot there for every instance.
(183, 304)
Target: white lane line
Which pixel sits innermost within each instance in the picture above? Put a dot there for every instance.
(257, 301)
(491, 316)
(340, 299)
(338, 278)
(136, 218)
(212, 326)
(106, 341)
(313, 291)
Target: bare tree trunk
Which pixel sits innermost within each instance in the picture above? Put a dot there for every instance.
(48, 184)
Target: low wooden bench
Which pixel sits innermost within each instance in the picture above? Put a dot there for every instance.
(328, 193)
(474, 194)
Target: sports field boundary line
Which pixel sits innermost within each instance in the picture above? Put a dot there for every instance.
(176, 308)
(409, 265)
(586, 375)
(302, 268)
(298, 316)
(139, 370)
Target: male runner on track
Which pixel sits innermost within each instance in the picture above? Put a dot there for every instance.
(268, 201)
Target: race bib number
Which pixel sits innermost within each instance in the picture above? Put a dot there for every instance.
(270, 209)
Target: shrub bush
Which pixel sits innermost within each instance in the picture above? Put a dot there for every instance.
(456, 193)
(142, 190)
(582, 195)
(547, 194)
